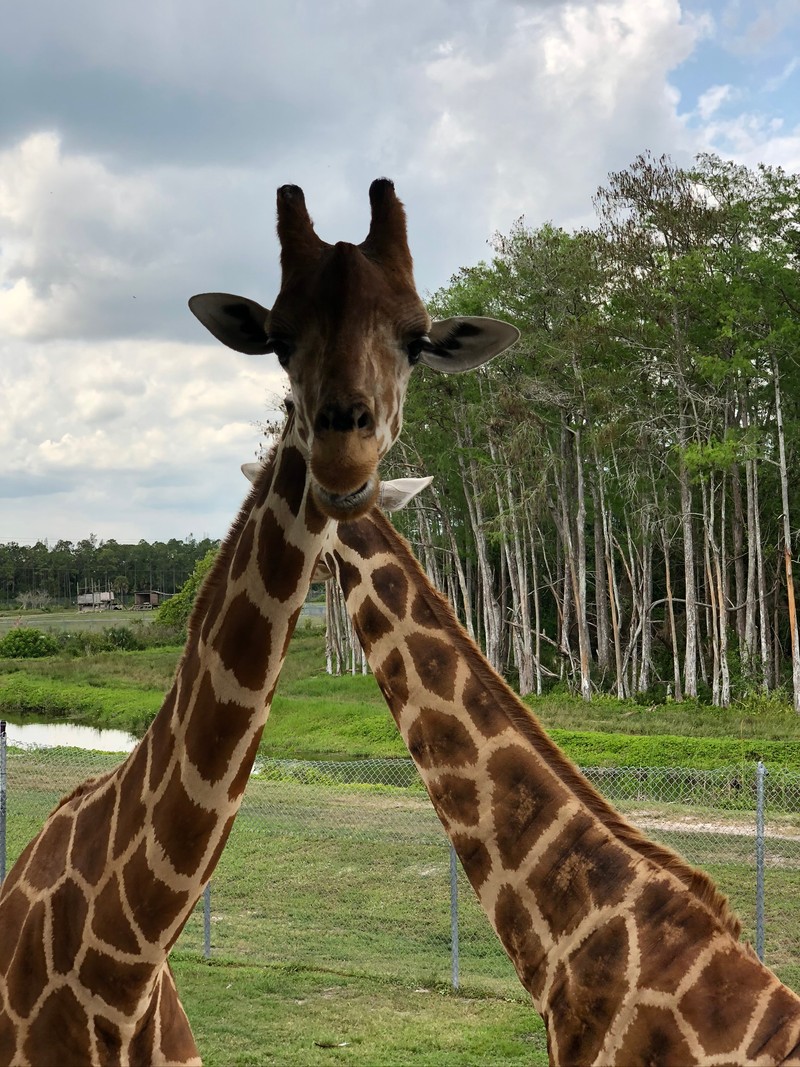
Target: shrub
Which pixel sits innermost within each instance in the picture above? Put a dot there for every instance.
(26, 642)
(122, 638)
(175, 612)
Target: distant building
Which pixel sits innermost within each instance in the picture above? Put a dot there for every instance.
(95, 601)
(147, 599)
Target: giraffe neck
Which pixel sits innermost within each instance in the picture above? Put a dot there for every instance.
(119, 865)
(617, 939)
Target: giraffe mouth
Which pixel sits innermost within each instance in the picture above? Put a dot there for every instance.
(345, 506)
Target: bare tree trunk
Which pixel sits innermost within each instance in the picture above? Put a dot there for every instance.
(690, 659)
(537, 607)
(676, 662)
(741, 576)
(769, 673)
(787, 539)
(491, 610)
(600, 584)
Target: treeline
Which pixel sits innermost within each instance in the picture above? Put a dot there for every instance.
(33, 575)
(615, 501)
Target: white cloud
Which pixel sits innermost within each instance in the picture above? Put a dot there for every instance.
(140, 162)
(712, 100)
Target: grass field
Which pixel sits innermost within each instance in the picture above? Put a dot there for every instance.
(330, 907)
(331, 922)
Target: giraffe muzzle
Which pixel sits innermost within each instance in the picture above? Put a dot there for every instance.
(347, 506)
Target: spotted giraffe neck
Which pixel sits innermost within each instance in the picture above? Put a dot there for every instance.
(92, 908)
(630, 956)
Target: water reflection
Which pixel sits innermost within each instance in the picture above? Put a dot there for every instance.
(70, 736)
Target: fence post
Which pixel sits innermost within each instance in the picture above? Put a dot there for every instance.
(3, 795)
(207, 921)
(454, 914)
(761, 774)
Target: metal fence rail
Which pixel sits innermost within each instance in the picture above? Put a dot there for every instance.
(345, 865)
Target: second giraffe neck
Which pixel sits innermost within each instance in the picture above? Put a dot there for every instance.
(518, 812)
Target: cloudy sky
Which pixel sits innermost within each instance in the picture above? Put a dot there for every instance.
(141, 145)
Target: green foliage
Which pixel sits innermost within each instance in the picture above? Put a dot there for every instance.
(175, 612)
(26, 642)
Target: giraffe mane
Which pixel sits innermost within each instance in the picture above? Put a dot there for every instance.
(697, 882)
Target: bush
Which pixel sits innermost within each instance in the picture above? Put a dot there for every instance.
(122, 638)
(175, 612)
(26, 642)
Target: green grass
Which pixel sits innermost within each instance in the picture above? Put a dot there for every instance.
(279, 1014)
(74, 620)
(315, 716)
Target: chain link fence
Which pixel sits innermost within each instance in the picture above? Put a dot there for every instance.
(344, 865)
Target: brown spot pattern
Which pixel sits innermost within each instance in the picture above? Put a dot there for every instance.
(436, 739)
(50, 855)
(61, 1014)
(243, 642)
(482, 708)
(360, 536)
(348, 575)
(90, 843)
(391, 588)
(27, 975)
(215, 730)
(524, 801)
(371, 624)
(587, 991)
(119, 986)
(423, 614)
(109, 1040)
(713, 1005)
(670, 927)
(279, 563)
(181, 826)
(514, 927)
(769, 1040)
(13, 909)
(239, 780)
(162, 751)
(132, 815)
(291, 622)
(244, 550)
(314, 519)
(475, 858)
(69, 911)
(177, 1043)
(109, 922)
(455, 798)
(391, 677)
(8, 1039)
(290, 478)
(653, 1038)
(435, 663)
(154, 904)
(582, 870)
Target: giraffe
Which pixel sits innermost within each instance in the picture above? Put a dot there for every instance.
(630, 956)
(95, 902)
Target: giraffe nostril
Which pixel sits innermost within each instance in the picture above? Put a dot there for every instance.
(345, 418)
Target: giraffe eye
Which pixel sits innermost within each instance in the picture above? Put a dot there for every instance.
(282, 347)
(415, 348)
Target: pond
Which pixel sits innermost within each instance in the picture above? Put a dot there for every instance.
(70, 736)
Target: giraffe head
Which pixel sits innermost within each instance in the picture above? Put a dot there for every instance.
(348, 327)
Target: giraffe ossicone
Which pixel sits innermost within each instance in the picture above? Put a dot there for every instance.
(92, 907)
(631, 956)
(344, 314)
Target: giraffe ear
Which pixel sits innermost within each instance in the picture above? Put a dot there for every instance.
(239, 323)
(465, 342)
(394, 495)
(250, 471)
